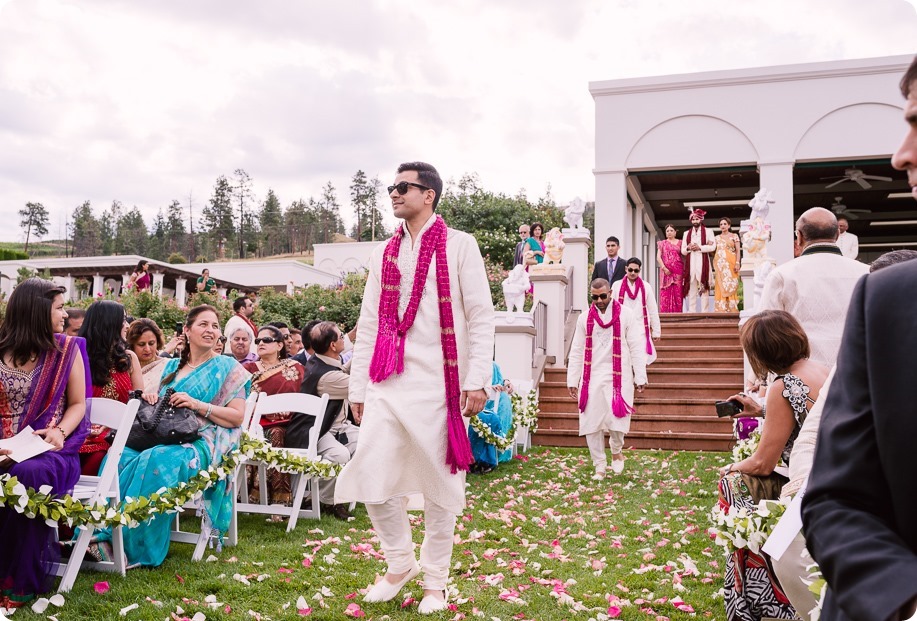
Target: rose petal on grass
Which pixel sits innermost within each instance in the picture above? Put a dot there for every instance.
(57, 599)
(354, 610)
(101, 587)
(40, 605)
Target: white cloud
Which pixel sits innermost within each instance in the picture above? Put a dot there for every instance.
(144, 102)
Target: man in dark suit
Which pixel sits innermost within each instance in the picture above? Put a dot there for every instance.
(519, 257)
(860, 506)
(612, 267)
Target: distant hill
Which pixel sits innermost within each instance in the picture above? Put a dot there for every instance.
(48, 248)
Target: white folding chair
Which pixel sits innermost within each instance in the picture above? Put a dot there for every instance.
(523, 440)
(103, 488)
(202, 538)
(302, 404)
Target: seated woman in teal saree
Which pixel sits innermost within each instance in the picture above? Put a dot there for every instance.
(498, 415)
(215, 387)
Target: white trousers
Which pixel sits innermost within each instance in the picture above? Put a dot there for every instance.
(596, 443)
(390, 521)
(331, 449)
(790, 570)
(693, 290)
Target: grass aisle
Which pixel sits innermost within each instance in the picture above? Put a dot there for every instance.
(539, 540)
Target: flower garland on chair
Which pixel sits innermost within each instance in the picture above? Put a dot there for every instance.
(632, 294)
(619, 407)
(388, 356)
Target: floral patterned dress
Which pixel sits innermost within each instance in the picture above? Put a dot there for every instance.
(726, 289)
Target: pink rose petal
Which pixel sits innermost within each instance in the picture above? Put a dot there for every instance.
(101, 587)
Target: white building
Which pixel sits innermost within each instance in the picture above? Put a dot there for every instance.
(713, 139)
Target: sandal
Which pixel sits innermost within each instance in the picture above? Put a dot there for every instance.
(100, 552)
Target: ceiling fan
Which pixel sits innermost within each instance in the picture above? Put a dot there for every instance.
(841, 210)
(856, 175)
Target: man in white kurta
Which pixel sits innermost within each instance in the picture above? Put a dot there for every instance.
(815, 287)
(598, 417)
(648, 317)
(698, 243)
(847, 241)
(403, 435)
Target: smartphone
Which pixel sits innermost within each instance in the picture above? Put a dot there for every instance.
(728, 408)
(179, 328)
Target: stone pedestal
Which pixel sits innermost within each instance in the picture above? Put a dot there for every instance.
(576, 256)
(157, 283)
(750, 287)
(181, 291)
(551, 288)
(98, 285)
(514, 344)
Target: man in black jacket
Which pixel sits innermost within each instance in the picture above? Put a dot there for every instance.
(522, 246)
(612, 267)
(860, 506)
(338, 436)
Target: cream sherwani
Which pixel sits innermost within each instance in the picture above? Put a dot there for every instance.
(849, 245)
(695, 266)
(403, 433)
(636, 306)
(815, 288)
(598, 416)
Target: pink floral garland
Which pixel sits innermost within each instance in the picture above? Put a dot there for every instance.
(625, 289)
(619, 407)
(388, 356)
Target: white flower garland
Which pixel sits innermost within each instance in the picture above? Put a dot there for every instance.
(526, 416)
(746, 448)
(743, 528)
(41, 504)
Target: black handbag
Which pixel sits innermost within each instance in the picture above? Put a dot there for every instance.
(162, 423)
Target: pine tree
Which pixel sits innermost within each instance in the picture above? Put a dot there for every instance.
(108, 228)
(34, 219)
(242, 197)
(132, 232)
(364, 198)
(174, 229)
(272, 232)
(87, 240)
(217, 216)
(157, 244)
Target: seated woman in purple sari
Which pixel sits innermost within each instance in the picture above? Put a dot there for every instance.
(44, 377)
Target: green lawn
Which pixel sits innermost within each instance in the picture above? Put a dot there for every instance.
(539, 540)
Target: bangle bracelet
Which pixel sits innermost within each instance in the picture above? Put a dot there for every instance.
(209, 410)
(62, 432)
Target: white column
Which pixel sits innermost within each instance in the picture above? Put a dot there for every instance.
(612, 211)
(552, 289)
(576, 255)
(157, 283)
(778, 178)
(181, 290)
(514, 344)
(68, 285)
(125, 279)
(98, 285)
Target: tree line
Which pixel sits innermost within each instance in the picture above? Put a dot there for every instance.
(232, 223)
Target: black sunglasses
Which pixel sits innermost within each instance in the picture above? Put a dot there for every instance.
(222, 339)
(403, 187)
(600, 296)
(633, 270)
(267, 339)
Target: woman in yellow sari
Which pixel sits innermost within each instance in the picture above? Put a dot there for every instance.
(726, 266)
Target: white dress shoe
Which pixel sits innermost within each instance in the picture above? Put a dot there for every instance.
(617, 466)
(384, 590)
(599, 475)
(430, 604)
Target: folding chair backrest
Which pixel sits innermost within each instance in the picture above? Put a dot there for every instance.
(249, 415)
(295, 402)
(117, 416)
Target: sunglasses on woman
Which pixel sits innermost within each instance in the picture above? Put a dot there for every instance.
(222, 339)
(267, 339)
(403, 187)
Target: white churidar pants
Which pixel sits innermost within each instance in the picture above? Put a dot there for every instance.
(596, 443)
(790, 570)
(693, 289)
(390, 521)
(331, 449)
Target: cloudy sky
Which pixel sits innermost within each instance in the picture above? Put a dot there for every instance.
(146, 102)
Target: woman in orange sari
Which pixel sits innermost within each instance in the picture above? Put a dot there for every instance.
(726, 266)
(274, 373)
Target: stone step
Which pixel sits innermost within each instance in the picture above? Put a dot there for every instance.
(697, 340)
(700, 390)
(714, 375)
(681, 424)
(698, 352)
(675, 407)
(736, 362)
(670, 441)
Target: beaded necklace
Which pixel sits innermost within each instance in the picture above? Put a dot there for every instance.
(619, 406)
(388, 354)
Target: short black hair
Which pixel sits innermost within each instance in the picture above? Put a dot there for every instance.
(307, 334)
(240, 303)
(613, 239)
(73, 313)
(599, 283)
(634, 260)
(323, 335)
(427, 175)
(279, 324)
(910, 76)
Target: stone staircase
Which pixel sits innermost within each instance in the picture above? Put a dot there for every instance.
(699, 361)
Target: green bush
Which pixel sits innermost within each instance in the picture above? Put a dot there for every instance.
(176, 258)
(12, 255)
